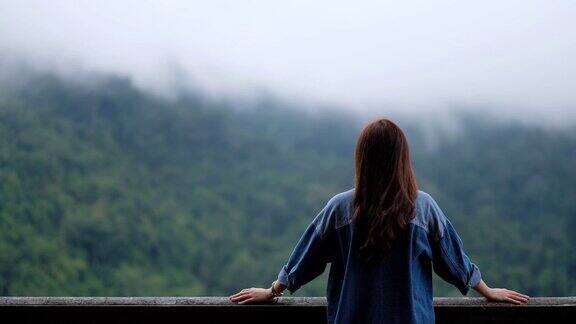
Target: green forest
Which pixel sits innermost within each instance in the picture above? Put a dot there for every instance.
(109, 190)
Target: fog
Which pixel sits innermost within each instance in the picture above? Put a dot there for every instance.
(515, 57)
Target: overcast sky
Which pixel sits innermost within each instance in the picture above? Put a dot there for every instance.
(515, 54)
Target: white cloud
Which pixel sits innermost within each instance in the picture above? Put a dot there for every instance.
(421, 54)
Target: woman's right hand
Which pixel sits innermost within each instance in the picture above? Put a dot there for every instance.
(505, 295)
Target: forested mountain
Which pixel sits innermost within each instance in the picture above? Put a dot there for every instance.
(108, 190)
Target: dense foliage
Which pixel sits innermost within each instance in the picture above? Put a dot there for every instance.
(107, 190)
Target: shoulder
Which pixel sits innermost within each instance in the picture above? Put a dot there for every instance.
(342, 199)
(429, 216)
(336, 213)
(423, 199)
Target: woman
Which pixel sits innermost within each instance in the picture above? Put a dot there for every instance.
(383, 239)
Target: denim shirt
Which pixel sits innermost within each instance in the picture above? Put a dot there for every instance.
(398, 290)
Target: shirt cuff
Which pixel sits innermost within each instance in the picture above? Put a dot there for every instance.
(284, 279)
(474, 280)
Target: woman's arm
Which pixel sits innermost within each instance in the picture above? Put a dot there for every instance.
(452, 264)
(308, 260)
(500, 294)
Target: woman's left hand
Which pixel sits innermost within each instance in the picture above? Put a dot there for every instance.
(252, 295)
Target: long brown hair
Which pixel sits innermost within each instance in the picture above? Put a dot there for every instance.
(386, 189)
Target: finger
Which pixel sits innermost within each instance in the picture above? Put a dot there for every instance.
(241, 297)
(249, 300)
(242, 294)
(239, 294)
(513, 301)
(241, 291)
(519, 298)
(237, 299)
(521, 295)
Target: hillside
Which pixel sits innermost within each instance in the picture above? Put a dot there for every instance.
(108, 190)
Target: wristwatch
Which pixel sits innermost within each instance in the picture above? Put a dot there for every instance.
(274, 292)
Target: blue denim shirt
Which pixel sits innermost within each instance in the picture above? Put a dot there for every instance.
(398, 290)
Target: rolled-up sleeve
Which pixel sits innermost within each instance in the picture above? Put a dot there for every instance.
(310, 255)
(449, 260)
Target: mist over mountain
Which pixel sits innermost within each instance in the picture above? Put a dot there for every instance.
(106, 189)
(417, 57)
